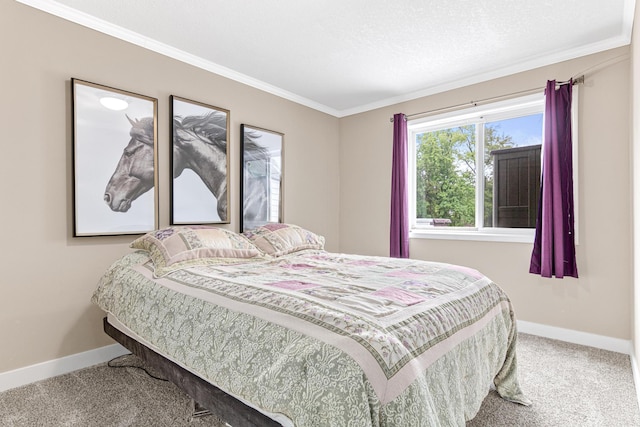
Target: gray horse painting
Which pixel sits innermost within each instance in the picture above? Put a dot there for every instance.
(261, 181)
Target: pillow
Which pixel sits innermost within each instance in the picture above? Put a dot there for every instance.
(174, 248)
(280, 239)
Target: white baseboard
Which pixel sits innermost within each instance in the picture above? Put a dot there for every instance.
(576, 337)
(53, 368)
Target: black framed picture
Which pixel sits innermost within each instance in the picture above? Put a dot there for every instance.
(261, 188)
(114, 160)
(200, 163)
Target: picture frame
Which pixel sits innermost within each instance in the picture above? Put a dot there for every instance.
(115, 179)
(199, 190)
(262, 167)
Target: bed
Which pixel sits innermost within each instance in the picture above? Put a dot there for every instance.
(268, 328)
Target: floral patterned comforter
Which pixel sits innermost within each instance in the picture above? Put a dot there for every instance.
(329, 339)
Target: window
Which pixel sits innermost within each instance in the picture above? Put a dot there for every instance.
(475, 173)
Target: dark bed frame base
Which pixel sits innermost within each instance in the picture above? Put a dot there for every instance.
(221, 404)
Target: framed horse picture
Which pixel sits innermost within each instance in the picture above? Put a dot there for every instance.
(261, 189)
(114, 161)
(200, 163)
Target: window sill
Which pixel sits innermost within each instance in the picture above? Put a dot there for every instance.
(493, 235)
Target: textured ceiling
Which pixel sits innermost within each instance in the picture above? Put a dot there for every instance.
(348, 56)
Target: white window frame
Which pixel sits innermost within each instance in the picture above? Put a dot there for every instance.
(521, 106)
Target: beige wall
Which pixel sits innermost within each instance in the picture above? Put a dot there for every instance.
(600, 301)
(47, 276)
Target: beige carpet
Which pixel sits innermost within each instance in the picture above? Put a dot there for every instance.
(101, 396)
(570, 385)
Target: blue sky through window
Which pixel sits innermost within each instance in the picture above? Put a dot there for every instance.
(526, 130)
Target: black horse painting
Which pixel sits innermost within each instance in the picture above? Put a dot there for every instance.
(134, 174)
(200, 144)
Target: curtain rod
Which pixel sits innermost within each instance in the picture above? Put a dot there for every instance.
(577, 80)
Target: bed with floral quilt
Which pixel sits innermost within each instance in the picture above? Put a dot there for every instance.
(315, 338)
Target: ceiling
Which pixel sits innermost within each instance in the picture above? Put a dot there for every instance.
(348, 56)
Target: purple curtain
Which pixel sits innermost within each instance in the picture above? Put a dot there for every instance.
(399, 237)
(554, 251)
